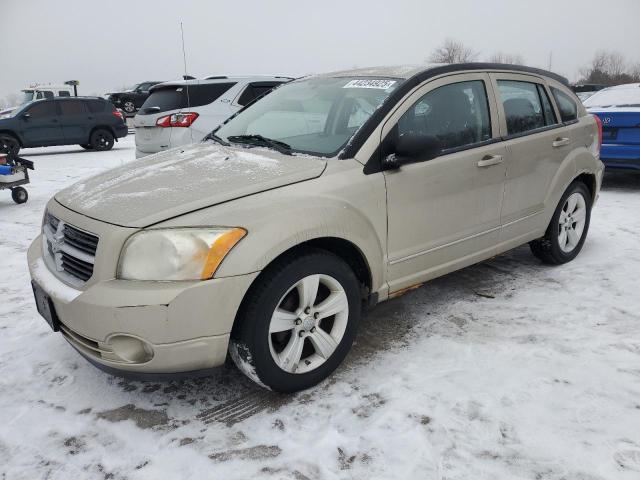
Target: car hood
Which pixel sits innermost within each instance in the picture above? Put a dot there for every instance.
(179, 181)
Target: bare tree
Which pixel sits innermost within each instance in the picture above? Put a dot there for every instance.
(453, 51)
(610, 68)
(512, 59)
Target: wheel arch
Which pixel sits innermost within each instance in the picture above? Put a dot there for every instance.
(102, 127)
(12, 134)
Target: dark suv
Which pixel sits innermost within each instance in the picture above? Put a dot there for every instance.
(131, 100)
(91, 122)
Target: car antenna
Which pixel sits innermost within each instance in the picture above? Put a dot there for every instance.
(186, 76)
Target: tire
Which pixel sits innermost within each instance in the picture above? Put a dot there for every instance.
(262, 337)
(556, 247)
(86, 146)
(128, 106)
(9, 144)
(101, 140)
(19, 195)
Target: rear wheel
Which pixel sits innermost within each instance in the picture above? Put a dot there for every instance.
(19, 195)
(9, 144)
(298, 321)
(568, 228)
(101, 140)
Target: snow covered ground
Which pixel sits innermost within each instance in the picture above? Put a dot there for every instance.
(505, 370)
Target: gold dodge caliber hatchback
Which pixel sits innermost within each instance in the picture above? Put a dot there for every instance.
(331, 193)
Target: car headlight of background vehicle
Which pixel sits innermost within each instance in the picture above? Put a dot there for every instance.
(177, 253)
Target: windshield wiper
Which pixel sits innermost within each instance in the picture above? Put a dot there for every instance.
(215, 138)
(259, 140)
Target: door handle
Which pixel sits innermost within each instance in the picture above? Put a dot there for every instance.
(561, 142)
(489, 160)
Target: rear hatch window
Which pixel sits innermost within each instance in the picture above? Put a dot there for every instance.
(175, 97)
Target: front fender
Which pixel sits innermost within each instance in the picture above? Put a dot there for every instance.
(346, 204)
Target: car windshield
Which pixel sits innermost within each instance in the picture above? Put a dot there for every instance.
(615, 97)
(316, 116)
(27, 96)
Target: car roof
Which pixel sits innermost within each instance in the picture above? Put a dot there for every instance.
(222, 79)
(624, 86)
(428, 70)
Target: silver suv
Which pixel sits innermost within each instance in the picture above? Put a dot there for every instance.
(183, 112)
(331, 194)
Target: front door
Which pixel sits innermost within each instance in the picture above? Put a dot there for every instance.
(444, 212)
(40, 125)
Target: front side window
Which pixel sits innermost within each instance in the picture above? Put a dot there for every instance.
(42, 110)
(315, 115)
(568, 108)
(457, 115)
(523, 106)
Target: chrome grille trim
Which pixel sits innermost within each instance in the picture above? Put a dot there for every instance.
(71, 250)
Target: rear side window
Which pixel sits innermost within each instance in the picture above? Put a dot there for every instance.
(72, 107)
(48, 94)
(95, 106)
(255, 90)
(457, 115)
(568, 108)
(42, 110)
(64, 93)
(175, 97)
(526, 106)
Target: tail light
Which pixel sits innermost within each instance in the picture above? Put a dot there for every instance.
(117, 113)
(177, 120)
(599, 123)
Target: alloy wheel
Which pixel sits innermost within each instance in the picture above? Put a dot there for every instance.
(308, 323)
(571, 222)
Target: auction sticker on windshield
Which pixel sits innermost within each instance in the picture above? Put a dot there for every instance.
(368, 83)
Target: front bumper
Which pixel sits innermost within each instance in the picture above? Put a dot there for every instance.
(145, 327)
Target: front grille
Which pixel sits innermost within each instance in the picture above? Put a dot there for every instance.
(81, 240)
(89, 347)
(72, 250)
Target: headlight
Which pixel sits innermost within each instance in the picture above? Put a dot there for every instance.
(177, 253)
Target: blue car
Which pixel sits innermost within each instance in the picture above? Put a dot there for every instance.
(619, 111)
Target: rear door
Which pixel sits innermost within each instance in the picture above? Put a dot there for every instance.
(74, 119)
(537, 143)
(40, 126)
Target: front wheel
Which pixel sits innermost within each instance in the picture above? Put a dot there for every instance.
(9, 144)
(129, 106)
(568, 228)
(101, 140)
(298, 321)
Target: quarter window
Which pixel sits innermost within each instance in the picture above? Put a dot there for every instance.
(523, 106)
(568, 108)
(457, 115)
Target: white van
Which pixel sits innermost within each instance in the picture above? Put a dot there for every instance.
(183, 112)
(37, 92)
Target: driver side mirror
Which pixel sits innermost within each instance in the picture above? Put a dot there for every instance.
(412, 148)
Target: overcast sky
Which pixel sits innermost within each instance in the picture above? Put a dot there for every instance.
(108, 44)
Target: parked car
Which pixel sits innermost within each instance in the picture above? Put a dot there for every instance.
(37, 92)
(183, 112)
(332, 193)
(619, 111)
(132, 99)
(585, 90)
(91, 122)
